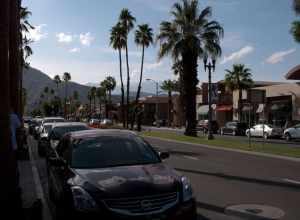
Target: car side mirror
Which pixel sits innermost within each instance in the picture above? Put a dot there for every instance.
(164, 155)
(57, 162)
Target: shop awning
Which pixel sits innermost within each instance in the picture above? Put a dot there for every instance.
(260, 108)
(203, 110)
(224, 108)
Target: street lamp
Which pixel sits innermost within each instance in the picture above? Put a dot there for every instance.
(210, 65)
(156, 105)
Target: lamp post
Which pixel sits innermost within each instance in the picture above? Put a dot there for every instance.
(210, 65)
(156, 105)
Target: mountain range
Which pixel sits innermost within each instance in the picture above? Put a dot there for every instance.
(34, 81)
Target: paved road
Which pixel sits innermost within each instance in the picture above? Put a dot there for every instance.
(199, 163)
(203, 165)
(277, 141)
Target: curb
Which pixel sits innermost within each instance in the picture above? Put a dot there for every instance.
(229, 149)
(46, 214)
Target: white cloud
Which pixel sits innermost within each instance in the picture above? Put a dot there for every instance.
(64, 38)
(37, 33)
(279, 56)
(238, 54)
(86, 39)
(74, 50)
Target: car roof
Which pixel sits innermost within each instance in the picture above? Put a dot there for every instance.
(49, 123)
(51, 118)
(93, 133)
(68, 124)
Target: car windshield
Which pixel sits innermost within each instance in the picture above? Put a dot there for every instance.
(110, 151)
(61, 131)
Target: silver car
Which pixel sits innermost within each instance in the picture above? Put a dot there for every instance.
(292, 132)
(265, 131)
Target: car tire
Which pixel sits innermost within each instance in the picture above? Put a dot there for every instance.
(287, 137)
(266, 136)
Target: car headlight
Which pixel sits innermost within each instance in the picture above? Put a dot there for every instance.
(187, 190)
(82, 200)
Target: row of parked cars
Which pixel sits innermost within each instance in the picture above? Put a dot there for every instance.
(110, 174)
(260, 130)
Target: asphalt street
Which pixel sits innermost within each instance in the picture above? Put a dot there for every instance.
(224, 178)
(214, 192)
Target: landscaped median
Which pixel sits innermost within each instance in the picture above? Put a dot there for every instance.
(275, 149)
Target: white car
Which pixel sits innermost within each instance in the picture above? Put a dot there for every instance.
(292, 132)
(265, 131)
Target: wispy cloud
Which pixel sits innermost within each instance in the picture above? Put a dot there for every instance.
(86, 39)
(64, 38)
(74, 50)
(37, 33)
(279, 56)
(238, 54)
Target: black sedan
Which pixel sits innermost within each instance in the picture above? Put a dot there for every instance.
(234, 128)
(113, 174)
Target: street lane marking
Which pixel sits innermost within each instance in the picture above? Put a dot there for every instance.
(191, 158)
(291, 181)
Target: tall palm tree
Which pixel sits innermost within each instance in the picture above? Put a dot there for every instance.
(93, 94)
(57, 81)
(169, 86)
(143, 38)
(66, 78)
(89, 96)
(239, 78)
(127, 22)
(118, 42)
(190, 35)
(110, 84)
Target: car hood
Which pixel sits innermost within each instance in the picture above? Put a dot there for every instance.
(130, 181)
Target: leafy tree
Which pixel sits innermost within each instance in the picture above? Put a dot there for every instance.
(190, 35)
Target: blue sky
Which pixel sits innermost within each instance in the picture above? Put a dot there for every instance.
(73, 36)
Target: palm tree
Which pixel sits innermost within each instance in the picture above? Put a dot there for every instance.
(169, 86)
(127, 23)
(239, 78)
(118, 42)
(101, 94)
(89, 96)
(295, 29)
(143, 38)
(66, 78)
(57, 81)
(93, 94)
(110, 86)
(190, 35)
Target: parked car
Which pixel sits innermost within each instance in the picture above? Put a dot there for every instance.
(234, 128)
(94, 123)
(53, 120)
(265, 131)
(88, 179)
(43, 140)
(60, 129)
(105, 123)
(292, 132)
(203, 126)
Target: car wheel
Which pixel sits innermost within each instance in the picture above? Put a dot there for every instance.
(288, 137)
(266, 136)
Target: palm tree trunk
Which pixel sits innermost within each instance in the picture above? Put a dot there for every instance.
(190, 82)
(66, 91)
(122, 89)
(170, 108)
(7, 160)
(139, 89)
(14, 56)
(128, 86)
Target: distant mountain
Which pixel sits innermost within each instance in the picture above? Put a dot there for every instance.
(34, 81)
